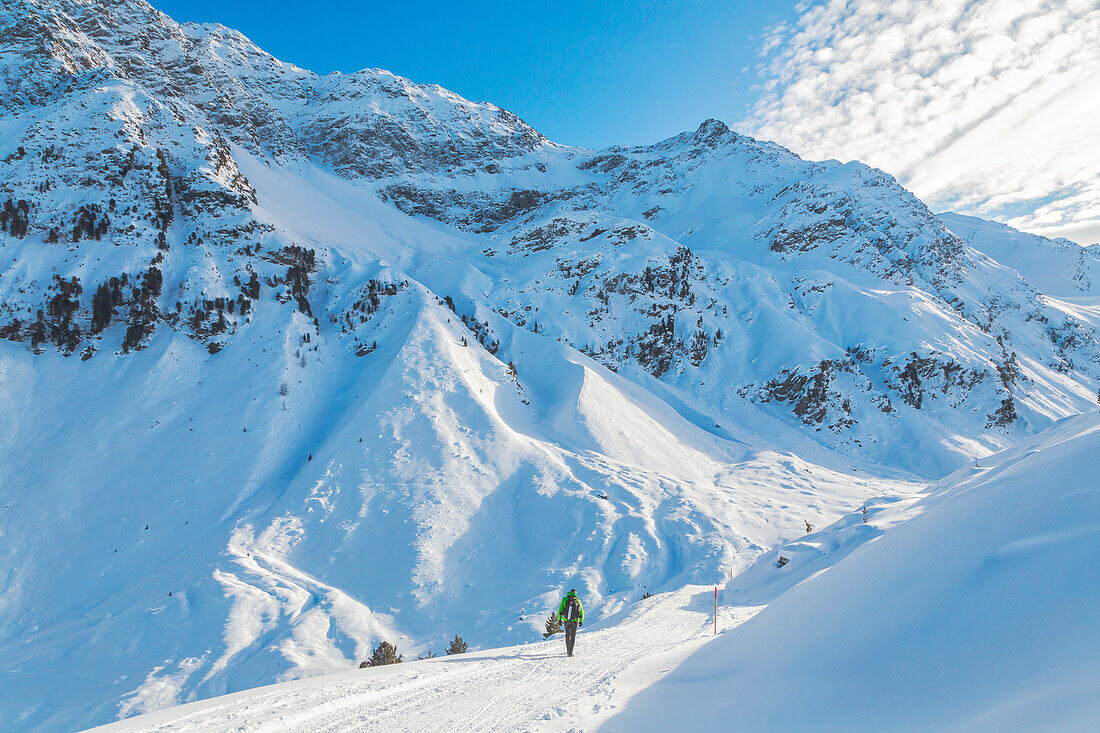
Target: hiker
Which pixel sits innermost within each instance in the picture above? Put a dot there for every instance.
(571, 615)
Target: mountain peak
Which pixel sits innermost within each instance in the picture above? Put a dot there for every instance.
(711, 130)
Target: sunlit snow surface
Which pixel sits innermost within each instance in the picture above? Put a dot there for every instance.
(461, 511)
(978, 614)
(970, 607)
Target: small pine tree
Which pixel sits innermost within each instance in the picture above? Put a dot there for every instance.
(458, 645)
(552, 625)
(364, 665)
(865, 514)
(429, 655)
(809, 527)
(384, 653)
(647, 594)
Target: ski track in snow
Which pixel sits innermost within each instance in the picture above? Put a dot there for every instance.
(529, 687)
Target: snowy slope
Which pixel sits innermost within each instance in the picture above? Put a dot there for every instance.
(979, 613)
(970, 607)
(1057, 267)
(292, 363)
(529, 687)
(215, 555)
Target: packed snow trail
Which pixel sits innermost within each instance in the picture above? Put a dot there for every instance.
(529, 687)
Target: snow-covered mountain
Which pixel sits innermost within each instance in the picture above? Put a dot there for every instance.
(291, 363)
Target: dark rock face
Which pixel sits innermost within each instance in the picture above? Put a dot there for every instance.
(15, 218)
(479, 212)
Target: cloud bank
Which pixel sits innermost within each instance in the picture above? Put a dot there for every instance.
(987, 107)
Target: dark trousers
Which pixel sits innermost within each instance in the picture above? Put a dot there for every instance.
(570, 636)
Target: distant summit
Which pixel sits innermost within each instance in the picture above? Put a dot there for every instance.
(710, 130)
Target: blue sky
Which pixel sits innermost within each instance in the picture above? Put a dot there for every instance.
(590, 73)
(985, 107)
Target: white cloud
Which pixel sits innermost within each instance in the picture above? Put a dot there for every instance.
(990, 107)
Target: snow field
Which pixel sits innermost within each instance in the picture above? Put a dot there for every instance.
(431, 483)
(978, 613)
(522, 688)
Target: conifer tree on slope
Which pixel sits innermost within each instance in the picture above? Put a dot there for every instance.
(457, 646)
(552, 625)
(384, 653)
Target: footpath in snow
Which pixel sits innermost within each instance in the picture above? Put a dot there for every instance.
(528, 687)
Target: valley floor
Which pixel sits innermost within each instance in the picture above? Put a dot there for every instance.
(529, 687)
